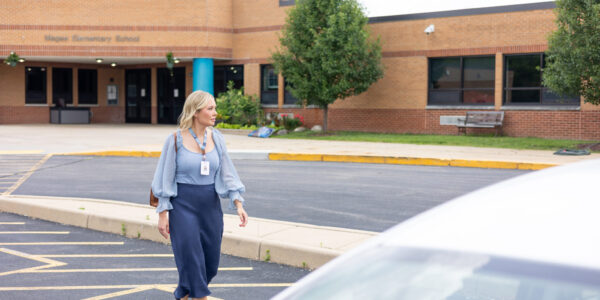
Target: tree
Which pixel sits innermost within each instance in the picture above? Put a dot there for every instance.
(327, 53)
(573, 55)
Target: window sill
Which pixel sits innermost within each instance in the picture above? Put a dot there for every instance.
(289, 106)
(88, 105)
(540, 107)
(269, 105)
(37, 105)
(484, 107)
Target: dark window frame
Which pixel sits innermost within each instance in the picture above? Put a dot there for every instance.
(227, 71)
(30, 99)
(541, 88)
(287, 2)
(262, 83)
(288, 98)
(93, 94)
(68, 96)
(462, 89)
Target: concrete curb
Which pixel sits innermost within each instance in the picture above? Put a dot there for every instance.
(267, 240)
(393, 160)
(409, 161)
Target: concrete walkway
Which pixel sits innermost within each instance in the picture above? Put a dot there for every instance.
(295, 244)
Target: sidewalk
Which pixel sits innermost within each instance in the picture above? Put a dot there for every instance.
(288, 243)
(147, 140)
(295, 244)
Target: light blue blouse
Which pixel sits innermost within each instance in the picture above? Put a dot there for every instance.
(227, 182)
(188, 165)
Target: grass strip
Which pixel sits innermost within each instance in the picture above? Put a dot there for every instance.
(488, 141)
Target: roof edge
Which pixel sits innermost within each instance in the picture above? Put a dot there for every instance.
(465, 12)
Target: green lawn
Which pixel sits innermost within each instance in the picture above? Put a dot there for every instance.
(453, 140)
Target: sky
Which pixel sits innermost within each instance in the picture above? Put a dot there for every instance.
(376, 8)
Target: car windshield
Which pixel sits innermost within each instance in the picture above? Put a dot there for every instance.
(401, 273)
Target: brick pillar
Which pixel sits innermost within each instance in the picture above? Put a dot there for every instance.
(280, 91)
(75, 90)
(49, 85)
(153, 97)
(499, 81)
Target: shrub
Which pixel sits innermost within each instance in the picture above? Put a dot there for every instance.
(292, 123)
(235, 126)
(236, 108)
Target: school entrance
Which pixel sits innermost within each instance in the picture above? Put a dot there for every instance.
(137, 96)
(171, 94)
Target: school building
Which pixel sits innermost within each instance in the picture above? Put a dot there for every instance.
(108, 58)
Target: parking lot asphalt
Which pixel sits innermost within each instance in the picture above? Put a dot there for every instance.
(45, 260)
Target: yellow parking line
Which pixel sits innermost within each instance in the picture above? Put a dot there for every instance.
(82, 287)
(125, 270)
(27, 175)
(50, 263)
(34, 232)
(250, 284)
(121, 293)
(104, 255)
(104, 270)
(12, 223)
(62, 243)
(106, 287)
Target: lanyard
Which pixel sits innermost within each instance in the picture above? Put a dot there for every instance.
(203, 144)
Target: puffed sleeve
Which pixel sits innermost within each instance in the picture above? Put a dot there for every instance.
(227, 182)
(163, 184)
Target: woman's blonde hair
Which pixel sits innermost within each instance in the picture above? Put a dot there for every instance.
(194, 102)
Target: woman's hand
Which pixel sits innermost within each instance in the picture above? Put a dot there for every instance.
(242, 213)
(163, 224)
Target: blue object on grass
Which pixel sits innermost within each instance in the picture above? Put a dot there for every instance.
(263, 132)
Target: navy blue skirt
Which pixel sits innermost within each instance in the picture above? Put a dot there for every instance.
(196, 226)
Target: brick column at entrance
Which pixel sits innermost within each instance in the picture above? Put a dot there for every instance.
(153, 97)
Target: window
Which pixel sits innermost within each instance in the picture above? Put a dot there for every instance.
(224, 74)
(462, 81)
(286, 2)
(269, 85)
(523, 82)
(288, 98)
(87, 81)
(62, 86)
(35, 85)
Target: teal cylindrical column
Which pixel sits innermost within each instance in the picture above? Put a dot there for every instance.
(203, 75)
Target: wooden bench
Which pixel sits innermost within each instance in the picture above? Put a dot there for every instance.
(482, 119)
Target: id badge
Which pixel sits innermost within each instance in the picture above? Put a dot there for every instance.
(204, 168)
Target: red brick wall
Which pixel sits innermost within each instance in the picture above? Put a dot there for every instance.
(312, 116)
(583, 125)
(108, 114)
(24, 114)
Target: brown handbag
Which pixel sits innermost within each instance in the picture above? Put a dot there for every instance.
(153, 199)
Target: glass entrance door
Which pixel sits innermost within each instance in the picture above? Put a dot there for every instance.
(171, 94)
(137, 84)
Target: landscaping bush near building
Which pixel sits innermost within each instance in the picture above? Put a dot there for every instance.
(234, 107)
(291, 123)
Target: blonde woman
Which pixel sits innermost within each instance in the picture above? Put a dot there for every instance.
(188, 182)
